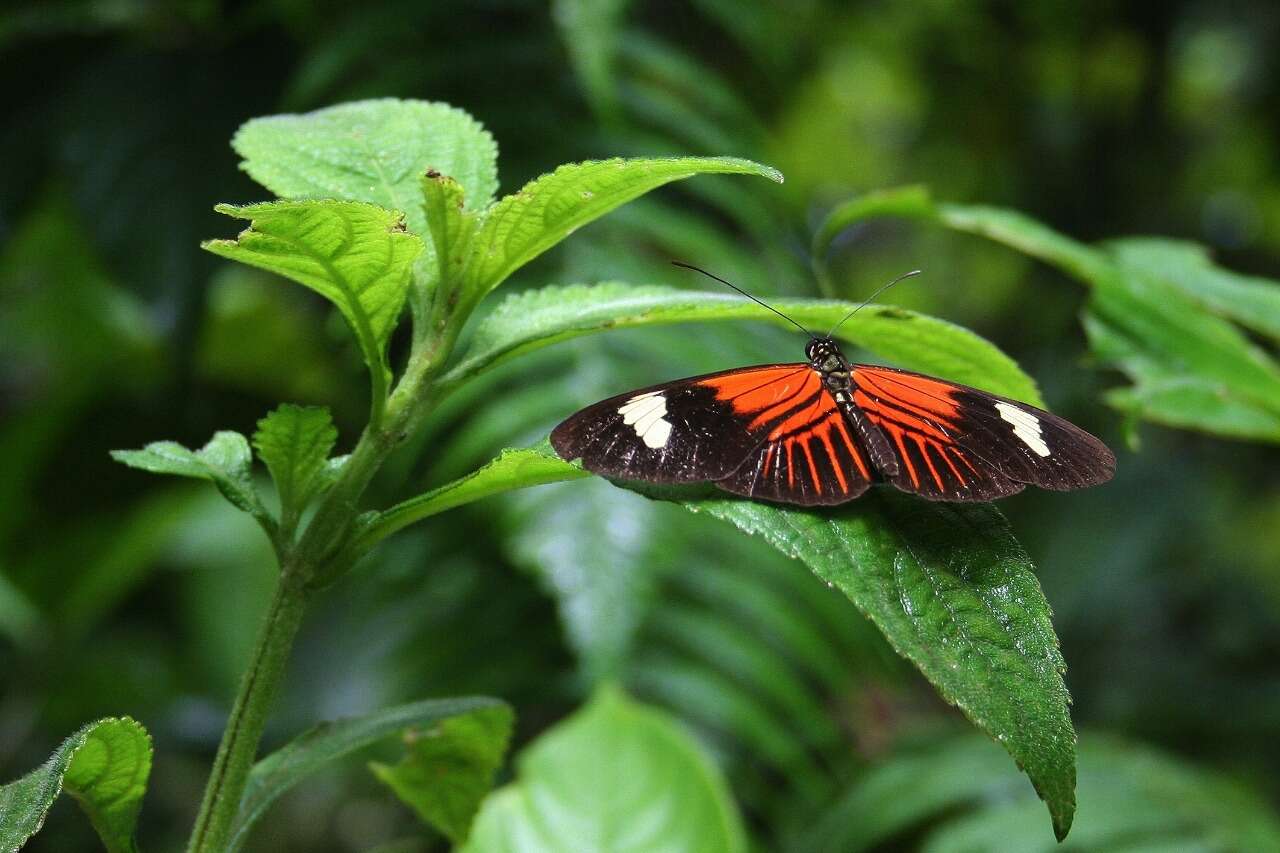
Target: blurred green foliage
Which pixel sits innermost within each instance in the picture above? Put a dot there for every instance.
(120, 595)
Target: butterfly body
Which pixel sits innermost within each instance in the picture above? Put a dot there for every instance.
(823, 431)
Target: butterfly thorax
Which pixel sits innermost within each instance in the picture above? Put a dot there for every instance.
(825, 357)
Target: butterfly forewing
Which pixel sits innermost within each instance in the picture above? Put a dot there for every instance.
(693, 430)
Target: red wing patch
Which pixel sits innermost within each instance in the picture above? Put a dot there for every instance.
(957, 443)
(809, 457)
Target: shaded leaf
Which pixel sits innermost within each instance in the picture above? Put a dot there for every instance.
(536, 318)
(955, 594)
(592, 548)
(295, 442)
(1251, 301)
(448, 769)
(947, 584)
(330, 742)
(226, 461)
(615, 776)
(513, 469)
(357, 256)
(521, 226)
(1132, 797)
(105, 766)
(374, 151)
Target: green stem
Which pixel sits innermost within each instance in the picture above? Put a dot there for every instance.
(258, 690)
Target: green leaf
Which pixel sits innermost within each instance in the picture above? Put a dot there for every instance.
(536, 318)
(525, 224)
(451, 228)
(599, 570)
(295, 442)
(947, 584)
(513, 469)
(105, 766)
(357, 256)
(329, 742)
(1150, 314)
(374, 151)
(954, 593)
(226, 461)
(616, 776)
(1134, 797)
(1251, 301)
(448, 768)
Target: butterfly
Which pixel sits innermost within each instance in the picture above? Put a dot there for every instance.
(823, 431)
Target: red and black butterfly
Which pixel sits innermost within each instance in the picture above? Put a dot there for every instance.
(823, 431)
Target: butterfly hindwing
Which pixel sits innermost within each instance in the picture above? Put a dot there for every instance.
(953, 442)
(692, 430)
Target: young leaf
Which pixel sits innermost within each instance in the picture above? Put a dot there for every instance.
(105, 766)
(536, 318)
(448, 768)
(615, 776)
(374, 151)
(357, 256)
(330, 742)
(451, 229)
(947, 584)
(294, 442)
(226, 461)
(525, 224)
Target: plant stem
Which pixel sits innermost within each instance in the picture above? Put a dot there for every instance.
(258, 690)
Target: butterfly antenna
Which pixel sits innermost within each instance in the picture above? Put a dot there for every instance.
(870, 298)
(744, 293)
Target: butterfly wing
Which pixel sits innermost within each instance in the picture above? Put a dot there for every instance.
(956, 443)
(691, 430)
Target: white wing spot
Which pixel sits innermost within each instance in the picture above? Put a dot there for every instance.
(646, 413)
(1026, 426)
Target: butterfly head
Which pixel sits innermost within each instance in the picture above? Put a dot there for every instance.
(824, 354)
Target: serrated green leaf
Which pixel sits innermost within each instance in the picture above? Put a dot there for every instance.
(105, 766)
(225, 461)
(448, 769)
(374, 151)
(947, 584)
(615, 776)
(536, 318)
(295, 442)
(955, 594)
(451, 227)
(356, 255)
(1251, 301)
(521, 226)
(327, 743)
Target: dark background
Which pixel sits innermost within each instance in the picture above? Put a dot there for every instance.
(123, 594)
